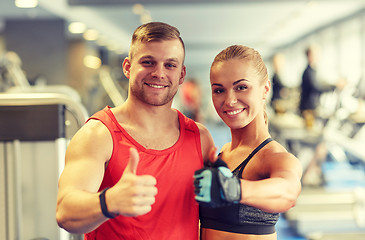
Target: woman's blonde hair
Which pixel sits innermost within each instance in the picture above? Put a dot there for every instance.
(246, 53)
(242, 52)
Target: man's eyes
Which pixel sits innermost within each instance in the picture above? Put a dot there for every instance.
(168, 65)
(171, 65)
(146, 62)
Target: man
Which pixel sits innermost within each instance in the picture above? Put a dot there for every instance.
(279, 90)
(311, 87)
(129, 169)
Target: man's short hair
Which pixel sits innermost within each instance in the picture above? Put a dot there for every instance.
(154, 31)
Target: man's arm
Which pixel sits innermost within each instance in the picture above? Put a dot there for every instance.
(78, 208)
(78, 203)
(207, 143)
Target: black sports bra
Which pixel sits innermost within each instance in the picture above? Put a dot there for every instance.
(240, 218)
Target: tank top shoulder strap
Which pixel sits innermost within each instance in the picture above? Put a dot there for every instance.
(107, 118)
(244, 163)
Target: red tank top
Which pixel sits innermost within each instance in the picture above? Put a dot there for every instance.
(174, 214)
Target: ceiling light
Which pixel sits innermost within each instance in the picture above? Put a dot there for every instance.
(92, 62)
(138, 8)
(91, 35)
(26, 3)
(77, 27)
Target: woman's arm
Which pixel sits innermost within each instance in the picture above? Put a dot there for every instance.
(279, 192)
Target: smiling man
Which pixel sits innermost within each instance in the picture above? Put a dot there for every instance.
(128, 171)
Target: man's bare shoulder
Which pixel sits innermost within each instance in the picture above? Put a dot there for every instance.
(204, 132)
(92, 139)
(207, 141)
(93, 128)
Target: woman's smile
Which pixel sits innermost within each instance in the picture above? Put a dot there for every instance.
(235, 112)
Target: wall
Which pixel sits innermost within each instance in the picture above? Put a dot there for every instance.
(41, 45)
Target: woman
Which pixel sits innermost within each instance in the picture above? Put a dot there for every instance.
(269, 176)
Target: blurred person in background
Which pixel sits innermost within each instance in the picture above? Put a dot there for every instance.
(128, 171)
(311, 87)
(192, 99)
(242, 192)
(279, 90)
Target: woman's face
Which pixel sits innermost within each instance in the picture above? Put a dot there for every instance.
(237, 92)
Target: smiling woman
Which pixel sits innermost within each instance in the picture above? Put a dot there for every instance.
(267, 176)
(249, 86)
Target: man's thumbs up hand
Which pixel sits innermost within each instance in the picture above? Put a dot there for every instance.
(133, 162)
(132, 195)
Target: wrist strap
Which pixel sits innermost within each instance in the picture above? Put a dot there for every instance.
(104, 208)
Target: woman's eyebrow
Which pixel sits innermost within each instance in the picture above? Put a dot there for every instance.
(240, 80)
(234, 83)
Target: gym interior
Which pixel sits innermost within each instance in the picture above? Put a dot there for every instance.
(60, 62)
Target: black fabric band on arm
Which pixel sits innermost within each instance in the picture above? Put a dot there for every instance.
(104, 208)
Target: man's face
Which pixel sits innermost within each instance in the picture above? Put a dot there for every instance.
(155, 71)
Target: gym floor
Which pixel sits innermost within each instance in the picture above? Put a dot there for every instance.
(285, 232)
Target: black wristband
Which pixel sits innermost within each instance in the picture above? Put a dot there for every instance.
(104, 208)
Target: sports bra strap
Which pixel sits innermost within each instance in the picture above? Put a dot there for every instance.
(244, 163)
